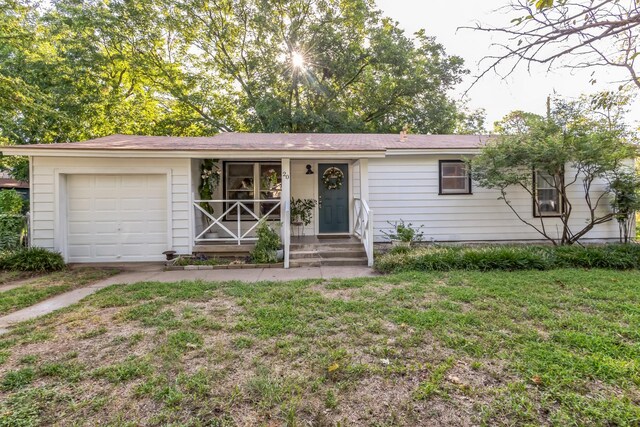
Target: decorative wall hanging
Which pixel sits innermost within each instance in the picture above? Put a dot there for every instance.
(332, 178)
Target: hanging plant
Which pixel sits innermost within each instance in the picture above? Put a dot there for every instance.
(332, 178)
(209, 182)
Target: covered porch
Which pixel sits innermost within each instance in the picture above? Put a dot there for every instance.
(246, 193)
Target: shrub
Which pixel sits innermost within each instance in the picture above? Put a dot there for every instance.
(32, 259)
(11, 228)
(12, 222)
(11, 202)
(404, 232)
(267, 245)
(510, 258)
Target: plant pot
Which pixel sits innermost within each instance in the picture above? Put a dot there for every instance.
(401, 243)
(211, 235)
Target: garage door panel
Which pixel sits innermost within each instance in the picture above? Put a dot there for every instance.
(116, 217)
(106, 205)
(104, 182)
(80, 204)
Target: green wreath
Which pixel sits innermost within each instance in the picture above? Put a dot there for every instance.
(332, 178)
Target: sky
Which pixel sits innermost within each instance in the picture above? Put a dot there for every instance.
(522, 90)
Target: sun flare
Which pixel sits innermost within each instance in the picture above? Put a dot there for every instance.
(297, 60)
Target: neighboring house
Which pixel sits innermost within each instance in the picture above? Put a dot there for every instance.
(129, 198)
(8, 183)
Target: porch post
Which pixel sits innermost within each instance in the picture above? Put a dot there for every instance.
(364, 179)
(285, 208)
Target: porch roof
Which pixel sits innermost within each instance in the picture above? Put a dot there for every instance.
(267, 142)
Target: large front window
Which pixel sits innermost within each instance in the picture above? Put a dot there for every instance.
(247, 181)
(547, 196)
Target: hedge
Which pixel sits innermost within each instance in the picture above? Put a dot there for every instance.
(509, 258)
(31, 259)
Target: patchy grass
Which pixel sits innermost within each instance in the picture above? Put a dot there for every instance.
(8, 277)
(559, 347)
(46, 286)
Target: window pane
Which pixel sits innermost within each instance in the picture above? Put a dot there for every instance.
(270, 188)
(548, 197)
(454, 178)
(544, 180)
(454, 169)
(240, 186)
(454, 183)
(254, 181)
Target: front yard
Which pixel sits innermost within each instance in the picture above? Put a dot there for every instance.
(34, 288)
(559, 347)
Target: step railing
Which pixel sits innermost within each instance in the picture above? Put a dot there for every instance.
(244, 212)
(363, 226)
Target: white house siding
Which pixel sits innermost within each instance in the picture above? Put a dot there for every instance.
(46, 197)
(407, 188)
(355, 180)
(304, 186)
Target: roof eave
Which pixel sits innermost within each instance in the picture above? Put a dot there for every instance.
(423, 151)
(17, 150)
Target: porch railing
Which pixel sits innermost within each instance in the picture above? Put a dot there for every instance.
(363, 226)
(237, 212)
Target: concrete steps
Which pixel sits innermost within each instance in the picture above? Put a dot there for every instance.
(328, 253)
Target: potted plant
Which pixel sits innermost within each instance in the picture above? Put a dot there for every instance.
(403, 234)
(209, 182)
(301, 211)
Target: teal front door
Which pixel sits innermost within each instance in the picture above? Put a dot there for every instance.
(333, 198)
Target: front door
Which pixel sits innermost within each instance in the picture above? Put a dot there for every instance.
(333, 198)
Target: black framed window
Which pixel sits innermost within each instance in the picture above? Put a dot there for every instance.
(253, 181)
(548, 201)
(454, 177)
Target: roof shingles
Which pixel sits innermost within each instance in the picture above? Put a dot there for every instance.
(276, 142)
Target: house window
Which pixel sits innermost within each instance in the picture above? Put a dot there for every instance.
(547, 197)
(252, 182)
(454, 177)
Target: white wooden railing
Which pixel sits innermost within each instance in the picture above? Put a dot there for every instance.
(243, 212)
(363, 226)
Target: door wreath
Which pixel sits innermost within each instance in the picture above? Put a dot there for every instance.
(332, 178)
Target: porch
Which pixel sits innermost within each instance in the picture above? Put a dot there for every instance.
(249, 193)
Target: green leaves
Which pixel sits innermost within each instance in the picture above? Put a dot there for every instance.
(85, 69)
(542, 4)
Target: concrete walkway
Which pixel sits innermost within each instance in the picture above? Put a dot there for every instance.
(158, 275)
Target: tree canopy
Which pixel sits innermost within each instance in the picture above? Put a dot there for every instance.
(76, 69)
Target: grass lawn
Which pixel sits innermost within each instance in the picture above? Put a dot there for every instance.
(7, 277)
(46, 286)
(558, 347)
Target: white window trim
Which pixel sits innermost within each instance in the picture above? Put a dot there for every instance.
(536, 202)
(442, 191)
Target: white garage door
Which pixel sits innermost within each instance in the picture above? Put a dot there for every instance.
(116, 218)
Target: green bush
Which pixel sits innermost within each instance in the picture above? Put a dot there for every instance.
(12, 222)
(510, 258)
(11, 202)
(11, 231)
(32, 259)
(266, 246)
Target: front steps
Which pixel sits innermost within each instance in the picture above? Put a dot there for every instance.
(327, 252)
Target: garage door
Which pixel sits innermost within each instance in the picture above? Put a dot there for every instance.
(116, 218)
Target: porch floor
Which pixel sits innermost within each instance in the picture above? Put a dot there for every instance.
(324, 239)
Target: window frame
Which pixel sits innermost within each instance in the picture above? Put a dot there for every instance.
(231, 216)
(467, 191)
(535, 203)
